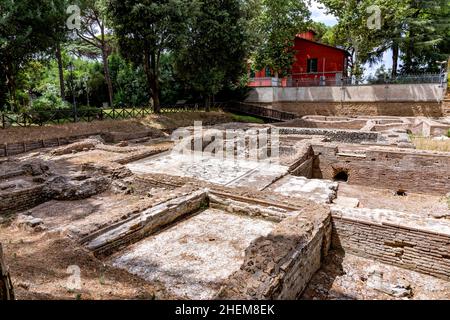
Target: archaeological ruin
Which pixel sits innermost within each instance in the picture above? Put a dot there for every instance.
(318, 207)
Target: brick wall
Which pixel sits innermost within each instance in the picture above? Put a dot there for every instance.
(21, 200)
(281, 265)
(401, 109)
(333, 134)
(10, 149)
(408, 247)
(408, 170)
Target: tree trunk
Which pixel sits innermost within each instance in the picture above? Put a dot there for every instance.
(6, 288)
(208, 103)
(151, 70)
(60, 71)
(107, 75)
(156, 102)
(11, 83)
(395, 53)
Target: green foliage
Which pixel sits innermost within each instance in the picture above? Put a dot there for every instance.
(381, 76)
(214, 52)
(27, 28)
(50, 100)
(146, 29)
(247, 119)
(415, 31)
(275, 28)
(130, 83)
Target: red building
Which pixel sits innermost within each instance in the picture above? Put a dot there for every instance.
(315, 64)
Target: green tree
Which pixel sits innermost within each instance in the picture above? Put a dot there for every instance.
(145, 29)
(95, 33)
(426, 35)
(275, 27)
(417, 32)
(26, 29)
(352, 32)
(215, 51)
(130, 82)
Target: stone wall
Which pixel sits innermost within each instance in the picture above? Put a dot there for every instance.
(401, 109)
(9, 149)
(367, 93)
(407, 170)
(332, 134)
(21, 200)
(281, 265)
(410, 242)
(112, 238)
(303, 166)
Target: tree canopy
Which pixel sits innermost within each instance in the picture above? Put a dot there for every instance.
(148, 52)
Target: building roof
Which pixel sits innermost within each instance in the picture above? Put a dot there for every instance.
(322, 44)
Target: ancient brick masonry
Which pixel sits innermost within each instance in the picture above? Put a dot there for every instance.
(422, 246)
(408, 170)
(273, 271)
(22, 199)
(9, 149)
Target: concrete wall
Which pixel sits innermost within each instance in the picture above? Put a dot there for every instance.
(408, 170)
(369, 93)
(376, 100)
(407, 241)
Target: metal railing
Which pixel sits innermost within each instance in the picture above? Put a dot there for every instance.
(253, 110)
(323, 81)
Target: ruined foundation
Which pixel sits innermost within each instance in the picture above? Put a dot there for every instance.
(202, 225)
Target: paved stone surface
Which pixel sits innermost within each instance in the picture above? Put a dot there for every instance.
(195, 256)
(322, 191)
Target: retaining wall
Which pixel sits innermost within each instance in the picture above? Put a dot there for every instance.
(395, 238)
(366, 93)
(408, 170)
(21, 200)
(10, 149)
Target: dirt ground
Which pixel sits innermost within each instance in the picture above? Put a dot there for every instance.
(39, 270)
(171, 121)
(157, 122)
(422, 204)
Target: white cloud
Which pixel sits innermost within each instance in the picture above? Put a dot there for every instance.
(319, 14)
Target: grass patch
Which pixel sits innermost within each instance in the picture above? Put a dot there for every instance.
(425, 143)
(247, 119)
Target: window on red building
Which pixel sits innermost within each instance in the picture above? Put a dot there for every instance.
(312, 65)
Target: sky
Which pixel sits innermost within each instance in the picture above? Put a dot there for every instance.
(319, 14)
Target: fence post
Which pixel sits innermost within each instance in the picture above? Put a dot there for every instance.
(6, 288)
(3, 121)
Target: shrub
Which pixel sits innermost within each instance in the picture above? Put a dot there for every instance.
(49, 101)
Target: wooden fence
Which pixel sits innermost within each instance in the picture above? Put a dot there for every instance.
(61, 116)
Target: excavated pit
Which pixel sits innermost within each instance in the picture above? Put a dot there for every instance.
(206, 227)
